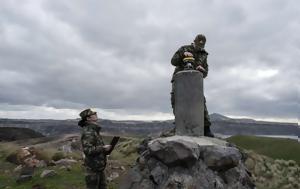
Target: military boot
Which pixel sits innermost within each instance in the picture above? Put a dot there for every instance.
(207, 132)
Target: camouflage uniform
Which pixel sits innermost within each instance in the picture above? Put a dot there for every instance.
(200, 59)
(95, 156)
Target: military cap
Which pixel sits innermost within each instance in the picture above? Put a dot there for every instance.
(86, 113)
(200, 37)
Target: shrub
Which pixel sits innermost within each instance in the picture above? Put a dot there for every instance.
(58, 155)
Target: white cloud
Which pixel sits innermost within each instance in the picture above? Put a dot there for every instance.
(36, 112)
(47, 112)
(115, 55)
(252, 74)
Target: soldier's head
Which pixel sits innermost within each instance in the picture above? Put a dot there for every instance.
(199, 42)
(88, 115)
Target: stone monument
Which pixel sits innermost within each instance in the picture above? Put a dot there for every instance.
(188, 160)
(189, 103)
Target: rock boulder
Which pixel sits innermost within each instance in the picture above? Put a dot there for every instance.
(188, 163)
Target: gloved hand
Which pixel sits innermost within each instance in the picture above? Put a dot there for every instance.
(107, 147)
(200, 68)
(188, 54)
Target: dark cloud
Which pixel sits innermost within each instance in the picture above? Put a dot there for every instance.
(116, 55)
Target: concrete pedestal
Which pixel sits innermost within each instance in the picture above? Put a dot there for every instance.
(189, 103)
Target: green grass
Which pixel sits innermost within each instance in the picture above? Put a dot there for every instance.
(64, 179)
(125, 154)
(125, 151)
(276, 148)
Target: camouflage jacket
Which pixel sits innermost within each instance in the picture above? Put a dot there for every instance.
(200, 59)
(92, 144)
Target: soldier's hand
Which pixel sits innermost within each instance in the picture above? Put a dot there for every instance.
(188, 54)
(200, 68)
(107, 147)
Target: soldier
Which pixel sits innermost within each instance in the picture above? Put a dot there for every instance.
(197, 52)
(94, 150)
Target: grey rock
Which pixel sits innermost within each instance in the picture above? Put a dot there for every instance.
(146, 184)
(67, 168)
(23, 178)
(159, 173)
(18, 168)
(65, 162)
(188, 162)
(48, 173)
(143, 145)
(26, 174)
(113, 176)
(174, 152)
(177, 180)
(132, 179)
(238, 177)
(221, 158)
(63, 168)
(41, 164)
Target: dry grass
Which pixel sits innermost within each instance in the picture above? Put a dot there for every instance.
(7, 148)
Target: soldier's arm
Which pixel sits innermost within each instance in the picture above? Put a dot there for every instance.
(89, 145)
(177, 57)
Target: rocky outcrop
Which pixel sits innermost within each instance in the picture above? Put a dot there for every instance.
(188, 163)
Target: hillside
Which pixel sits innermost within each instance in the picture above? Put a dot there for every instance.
(220, 124)
(268, 173)
(278, 148)
(13, 133)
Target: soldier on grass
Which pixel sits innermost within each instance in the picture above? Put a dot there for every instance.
(94, 149)
(196, 52)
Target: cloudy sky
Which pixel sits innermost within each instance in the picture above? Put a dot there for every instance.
(59, 57)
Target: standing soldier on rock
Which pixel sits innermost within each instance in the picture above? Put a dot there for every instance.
(196, 52)
(94, 150)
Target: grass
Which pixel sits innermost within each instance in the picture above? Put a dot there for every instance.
(276, 148)
(126, 151)
(64, 179)
(124, 154)
(7, 148)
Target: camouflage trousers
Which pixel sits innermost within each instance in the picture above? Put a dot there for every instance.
(207, 122)
(95, 180)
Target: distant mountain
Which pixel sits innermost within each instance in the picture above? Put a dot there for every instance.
(252, 127)
(13, 133)
(219, 117)
(220, 124)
